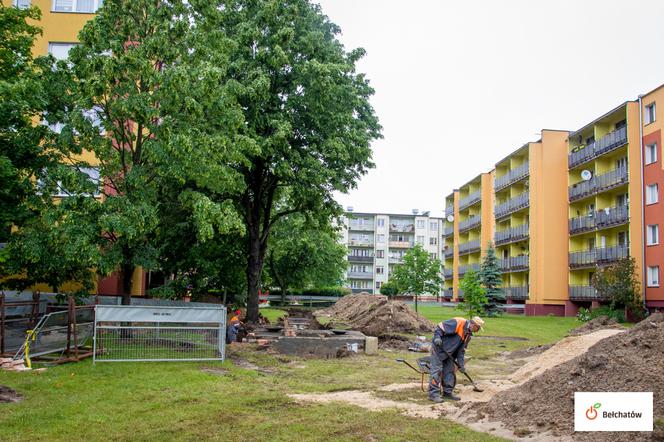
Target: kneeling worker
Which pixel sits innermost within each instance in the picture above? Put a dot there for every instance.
(449, 341)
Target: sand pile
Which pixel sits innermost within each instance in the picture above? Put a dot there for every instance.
(376, 315)
(627, 361)
(599, 323)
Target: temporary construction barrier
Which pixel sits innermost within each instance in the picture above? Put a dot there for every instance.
(159, 333)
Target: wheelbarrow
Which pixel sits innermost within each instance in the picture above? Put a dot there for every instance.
(424, 365)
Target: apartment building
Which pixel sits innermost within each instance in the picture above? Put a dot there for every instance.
(378, 242)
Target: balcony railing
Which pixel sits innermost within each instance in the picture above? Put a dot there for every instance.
(599, 219)
(402, 228)
(401, 244)
(449, 230)
(466, 268)
(448, 273)
(448, 253)
(360, 243)
(517, 203)
(460, 293)
(395, 260)
(357, 258)
(448, 293)
(605, 144)
(598, 183)
(469, 247)
(584, 293)
(516, 293)
(362, 226)
(449, 210)
(470, 223)
(512, 234)
(514, 263)
(360, 275)
(514, 175)
(470, 200)
(598, 256)
(359, 290)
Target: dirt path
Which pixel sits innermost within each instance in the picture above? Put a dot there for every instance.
(559, 353)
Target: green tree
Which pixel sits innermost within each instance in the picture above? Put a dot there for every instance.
(474, 297)
(620, 285)
(305, 254)
(145, 96)
(389, 288)
(306, 114)
(419, 273)
(490, 277)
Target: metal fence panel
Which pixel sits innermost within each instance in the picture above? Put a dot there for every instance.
(159, 333)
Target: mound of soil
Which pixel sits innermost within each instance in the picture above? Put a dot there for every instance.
(393, 342)
(528, 352)
(9, 395)
(599, 323)
(628, 361)
(376, 315)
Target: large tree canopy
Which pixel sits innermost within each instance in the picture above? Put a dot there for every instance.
(306, 114)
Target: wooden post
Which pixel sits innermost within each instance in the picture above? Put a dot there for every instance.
(2, 323)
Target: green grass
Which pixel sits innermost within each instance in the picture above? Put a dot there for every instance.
(272, 314)
(179, 401)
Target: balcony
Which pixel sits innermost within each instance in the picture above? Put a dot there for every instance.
(510, 206)
(448, 273)
(356, 258)
(514, 263)
(361, 227)
(470, 200)
(598, 256)
(605, 144)
(402, 228)
(516, 293)
(360, 275)
(470, 223)
(511, 177)
(395, 260)
(584, 293)
(401, 244)
(469, 247)
(358, 290)
(448, 293)
(449, 253)
(459, 293)
(512, 234)
(465, 269)
(599, 219)
(360, 243)
(449, 230)
(598, 183)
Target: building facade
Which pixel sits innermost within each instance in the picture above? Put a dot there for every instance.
(378, 242)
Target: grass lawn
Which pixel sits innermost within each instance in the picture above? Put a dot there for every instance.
(182, 401)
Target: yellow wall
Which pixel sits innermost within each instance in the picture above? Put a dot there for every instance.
(455, 265)
(636, 239)
(548, 219)
(488, 221)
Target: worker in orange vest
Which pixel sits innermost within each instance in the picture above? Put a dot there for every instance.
(450, 341)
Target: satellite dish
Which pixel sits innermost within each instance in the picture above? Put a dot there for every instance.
(586, 175)
(450, 218)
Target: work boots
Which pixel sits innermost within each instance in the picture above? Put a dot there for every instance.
(451, 397)
(436, 398)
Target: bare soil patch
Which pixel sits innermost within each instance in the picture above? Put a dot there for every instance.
(376, 315)
(599, 323)
(8, 395)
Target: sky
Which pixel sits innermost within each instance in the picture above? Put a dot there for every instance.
(461, 84)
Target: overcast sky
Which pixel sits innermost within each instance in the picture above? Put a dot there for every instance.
(461, 84)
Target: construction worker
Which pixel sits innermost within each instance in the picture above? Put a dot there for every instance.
(450, 341)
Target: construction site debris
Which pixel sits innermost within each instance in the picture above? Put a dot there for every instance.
(624, 361)
(598, 323)
(376, 315)
(9, 395)
(10, 364)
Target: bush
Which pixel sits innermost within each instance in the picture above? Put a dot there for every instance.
(389, 289)
(586, 315)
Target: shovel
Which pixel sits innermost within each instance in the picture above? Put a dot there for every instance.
(475, 387)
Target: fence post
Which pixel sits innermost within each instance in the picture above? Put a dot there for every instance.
(2, 323)
(73, 325)
(36, 301)
(69, 300)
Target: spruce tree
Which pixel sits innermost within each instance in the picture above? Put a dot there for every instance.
(490, 277)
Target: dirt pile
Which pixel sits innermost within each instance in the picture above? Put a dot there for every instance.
(376, 315)
(627, 361)
(599, 323)
(8, 395)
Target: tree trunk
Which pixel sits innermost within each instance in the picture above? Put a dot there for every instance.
(127, 273)
(254, 271)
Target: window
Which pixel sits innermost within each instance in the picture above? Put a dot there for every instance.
(650, 113)
(433, 241)
(433, 255)
(420, 239)
(591, 243)
(380, 270)
(380, 253)
(651, 153)
(622, 200)
(653, 276)
(380, 238)
(621, 163)
(378, 284)
(620, 124)
(421, 224)
(653, 234)
(622, 239)
(590, 210)
(88, 6)
(60, 50)
(381, 222)
(652, 195)
(21, 4)
(433, 225)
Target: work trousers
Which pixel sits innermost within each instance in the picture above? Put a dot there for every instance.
(442, 370)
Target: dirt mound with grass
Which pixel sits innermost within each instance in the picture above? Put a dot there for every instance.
(376, 315)
(393, 342)
(625, 361)
(8, 395)
(599, 323)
